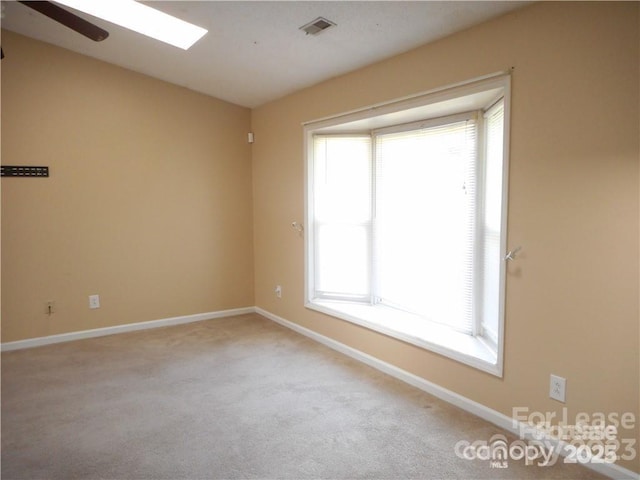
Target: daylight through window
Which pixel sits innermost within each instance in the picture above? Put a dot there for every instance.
(407, 220)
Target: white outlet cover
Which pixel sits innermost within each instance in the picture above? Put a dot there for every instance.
(94, 301)
(558, 388)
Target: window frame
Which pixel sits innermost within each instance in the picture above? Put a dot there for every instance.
(481, 93)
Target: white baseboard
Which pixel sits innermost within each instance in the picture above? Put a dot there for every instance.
(503, 421)
(130, 327)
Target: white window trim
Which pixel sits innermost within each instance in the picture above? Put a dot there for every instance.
(455, 99)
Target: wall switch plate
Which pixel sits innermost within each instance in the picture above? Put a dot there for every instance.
(278, 291)
(94, 301)
(558, 388)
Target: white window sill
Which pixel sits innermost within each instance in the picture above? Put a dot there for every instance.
(472, 351)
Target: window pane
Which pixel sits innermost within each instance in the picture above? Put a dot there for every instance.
(342, 179)
(342, 215)
(492, 262)
(342, 262)
(425, 194)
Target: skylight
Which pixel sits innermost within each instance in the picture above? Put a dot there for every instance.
(142, 19)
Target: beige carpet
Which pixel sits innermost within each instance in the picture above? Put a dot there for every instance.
(240, 397)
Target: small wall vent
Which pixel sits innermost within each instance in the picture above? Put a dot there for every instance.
(320, 24)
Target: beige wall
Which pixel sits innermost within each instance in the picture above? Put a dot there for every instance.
(572, 295)
(148, 203)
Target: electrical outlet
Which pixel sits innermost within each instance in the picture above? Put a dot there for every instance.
(558, 388)
(278, 291)
(94, 301)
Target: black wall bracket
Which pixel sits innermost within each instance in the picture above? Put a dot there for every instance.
(23, 171)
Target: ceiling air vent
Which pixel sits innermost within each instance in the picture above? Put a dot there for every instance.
(320, 24)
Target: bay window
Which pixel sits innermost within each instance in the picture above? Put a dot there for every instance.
(406, 215)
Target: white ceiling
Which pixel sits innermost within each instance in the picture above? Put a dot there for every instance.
(254, 51)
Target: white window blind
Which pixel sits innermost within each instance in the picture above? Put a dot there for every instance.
(425, 221)
(342, 216)
(491, 264)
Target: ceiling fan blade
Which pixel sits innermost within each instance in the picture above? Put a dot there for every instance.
(68, 19)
